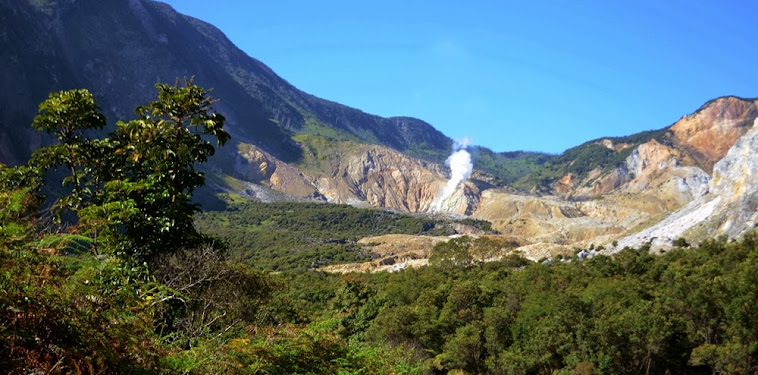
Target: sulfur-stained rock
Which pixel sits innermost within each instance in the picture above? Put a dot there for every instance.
(729, 208)
(383, 177)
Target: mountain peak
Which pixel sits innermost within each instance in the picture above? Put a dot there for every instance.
(709, 132)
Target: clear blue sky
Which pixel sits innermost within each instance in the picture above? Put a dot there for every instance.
(526, 75)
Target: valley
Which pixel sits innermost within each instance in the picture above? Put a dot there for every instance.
(660, 174)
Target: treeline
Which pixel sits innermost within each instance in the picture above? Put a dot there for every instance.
(690, 311)
(296, 235)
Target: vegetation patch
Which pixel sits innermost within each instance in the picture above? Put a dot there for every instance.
(298, 235)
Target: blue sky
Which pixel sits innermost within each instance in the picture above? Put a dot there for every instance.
(536, 75)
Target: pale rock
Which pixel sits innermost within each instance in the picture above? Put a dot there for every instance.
(729, 208)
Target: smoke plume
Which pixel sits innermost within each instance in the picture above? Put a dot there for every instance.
(460, 169)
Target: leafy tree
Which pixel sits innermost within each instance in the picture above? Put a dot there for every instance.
(452, 253)
(69, 115)
(132, 190)
(486, 249)
(464, 350)
(466, 251)
(156, 155)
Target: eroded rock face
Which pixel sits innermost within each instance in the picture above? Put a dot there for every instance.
(737, 173)
(654, 172)
(678, 170)
(365, 175)
(663, 171)
(383, 177)
(607, 143)
(257, 166)
(735, 182)
(729, 208)
(711, 131)
(254, 165)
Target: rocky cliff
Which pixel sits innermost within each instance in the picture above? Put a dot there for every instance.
(709, 133)
(729, 208)
(361, 175)
(697, 141)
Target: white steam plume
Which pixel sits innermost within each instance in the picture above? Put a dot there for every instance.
(460, 169)
(461, 144)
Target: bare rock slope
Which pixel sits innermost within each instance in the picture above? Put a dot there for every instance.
(729, 208)
(360, 175)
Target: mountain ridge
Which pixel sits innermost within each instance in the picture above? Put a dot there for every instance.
(133, 32)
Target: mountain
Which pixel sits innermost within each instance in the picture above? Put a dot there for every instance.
(289, 145)
(120, 49)
(614, 187)
(137, 43)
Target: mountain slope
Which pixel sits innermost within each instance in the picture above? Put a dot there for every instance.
(729, 208)
(119, 49)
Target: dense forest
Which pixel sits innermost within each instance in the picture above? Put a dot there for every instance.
(112, 275)
(299, 235)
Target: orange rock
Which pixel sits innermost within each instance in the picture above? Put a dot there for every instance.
(711, 131)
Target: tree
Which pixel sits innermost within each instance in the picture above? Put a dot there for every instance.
(466, 251)
(156, 155)
(132, 190)
(68, 115)
(452, 253)
(486, 249)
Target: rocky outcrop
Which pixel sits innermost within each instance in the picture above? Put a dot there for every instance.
(381, 177)
(729, 208)
(736, 175)
(664, 171)
(361, 175)
(609, 144)
(254, 164)
(652, 168)
(257, 166)
(711, 131)
(735, 185)
(675, 164)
